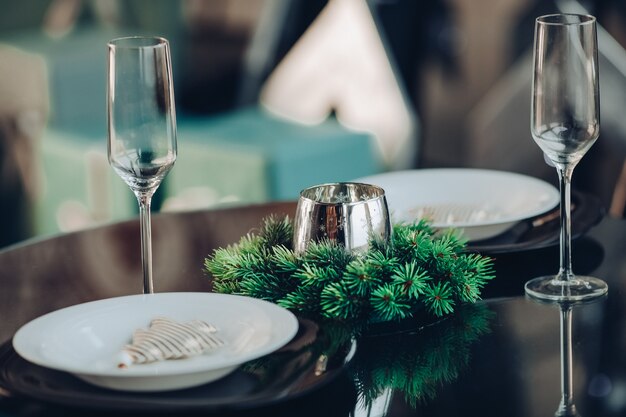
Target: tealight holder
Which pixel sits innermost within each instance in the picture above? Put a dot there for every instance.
(352, 214)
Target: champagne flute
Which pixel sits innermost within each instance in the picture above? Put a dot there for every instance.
(565, 123)
(142, 125)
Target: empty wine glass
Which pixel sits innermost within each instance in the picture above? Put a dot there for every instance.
(142, 124)
(565, 123)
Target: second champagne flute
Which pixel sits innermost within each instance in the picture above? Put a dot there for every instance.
(565, 123)
(141, 124)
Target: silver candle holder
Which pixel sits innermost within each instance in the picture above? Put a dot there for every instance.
(352, 214)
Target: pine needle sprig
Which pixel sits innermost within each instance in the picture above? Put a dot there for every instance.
(223, 265)
(276, 231)
(316, 276)
(412, 279)
(421, 225)
(479, 267)
(285, 260)
(455, 238)
(328, 253)
(250, 263)
(226, 286)
(381, 263)
(361, 277)
(249, 243)
(439, 299)
(468, 290)
(263, 285)
(305, 300)
(388, 303)
(443, 256)
(338, 302)
(412, 244)
(471, 275)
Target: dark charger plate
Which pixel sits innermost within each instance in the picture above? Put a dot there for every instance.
(544, 230)
(302, 365)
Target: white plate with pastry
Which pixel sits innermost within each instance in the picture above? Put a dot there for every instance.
(478, 202)
(92, 340)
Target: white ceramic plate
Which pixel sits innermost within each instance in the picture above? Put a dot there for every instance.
(480, 203)
(86, 339)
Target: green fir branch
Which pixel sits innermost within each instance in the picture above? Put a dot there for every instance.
(412, 279)
(360, 277)
(305, 300)
(316, 276)
(389, 303)
(382, 263)
(327, 253)
(338, 302)
(412, 244)
(285, 260)
(275, 231)
(439, 299)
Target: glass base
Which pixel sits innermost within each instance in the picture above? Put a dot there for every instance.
(566, 411)
(578, 288)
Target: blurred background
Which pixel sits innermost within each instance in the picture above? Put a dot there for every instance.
(276, 95)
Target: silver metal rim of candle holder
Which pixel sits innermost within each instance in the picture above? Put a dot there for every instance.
(352, 214)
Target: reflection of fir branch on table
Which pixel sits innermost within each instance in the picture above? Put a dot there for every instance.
(415, 362)
(418, 363)
(419, 270)
(316, 349)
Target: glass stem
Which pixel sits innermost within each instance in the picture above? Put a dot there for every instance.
(567, 407)
(565, 182)
(144, 200)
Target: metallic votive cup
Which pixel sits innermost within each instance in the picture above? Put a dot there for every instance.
(352, 214)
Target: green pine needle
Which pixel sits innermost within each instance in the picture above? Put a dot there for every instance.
(304, 299)
(444, 254)
(389, 303)
(338, 302)
(223, 264)
(381, 263)
(412, 244)
(275, 231)
(248, 244)
(412, 279)
(468, 291)
(226, 287)
(360, 278)
(262, 285)
(439, 299)
(328, 253)
(421, 225)
(311, 275)
(479, 267)
(285, 260)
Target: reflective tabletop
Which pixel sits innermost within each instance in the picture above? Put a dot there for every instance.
(501, 356)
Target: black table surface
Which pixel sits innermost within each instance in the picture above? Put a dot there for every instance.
(501, 357)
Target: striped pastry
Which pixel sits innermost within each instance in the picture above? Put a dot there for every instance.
(168, 339)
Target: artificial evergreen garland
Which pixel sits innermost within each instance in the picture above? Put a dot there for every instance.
(418, 271)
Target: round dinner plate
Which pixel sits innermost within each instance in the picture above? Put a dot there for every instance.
(284, 375)
(480, 203)
(86, 339)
